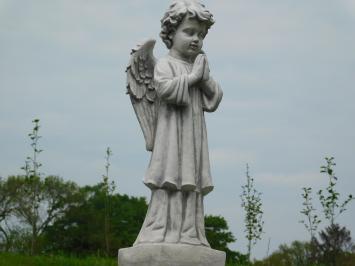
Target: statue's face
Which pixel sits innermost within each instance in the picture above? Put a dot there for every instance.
(188, 38)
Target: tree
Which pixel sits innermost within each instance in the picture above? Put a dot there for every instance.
(334, 246)
(7, 190)
(80, 230)
(32, 165)
(28, 208)
(296, 254)
(251, 202)
(108, 189)
(312, 220)
(217, 232)
(332, 208)
(219, 236)
(38, 203)
(329, 200)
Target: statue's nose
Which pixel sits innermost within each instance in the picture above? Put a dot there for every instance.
(195, 38)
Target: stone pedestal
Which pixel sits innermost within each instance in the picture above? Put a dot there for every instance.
(170, 255)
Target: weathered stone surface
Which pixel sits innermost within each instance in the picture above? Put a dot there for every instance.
(170, 97)
(170, 255)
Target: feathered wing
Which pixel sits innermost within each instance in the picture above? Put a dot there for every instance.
(140, 87)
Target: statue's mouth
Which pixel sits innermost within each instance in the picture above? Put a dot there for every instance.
(194, 46)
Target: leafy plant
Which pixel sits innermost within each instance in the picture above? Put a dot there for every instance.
(219, 236)
(295, 254)
(329, 199)
(108, 189)
(79, 231)
(28, 208)
(251, 202)
(334, 247)
(7, 190)
(38, 202)
(32, 165)
(312, 220)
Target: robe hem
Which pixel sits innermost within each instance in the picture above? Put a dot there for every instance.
(173, 187)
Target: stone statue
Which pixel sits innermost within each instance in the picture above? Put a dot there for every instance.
(170, 96)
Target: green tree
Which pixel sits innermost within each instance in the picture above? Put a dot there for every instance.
(108, 189)
(80, 230)
(297, 254)
(329, 199)
(28, 208)
(332, 208)
(335, 246)
(32, 165)
(7, 190)
(312, 220)
(251, 202)
(219, 236)
(38, 203)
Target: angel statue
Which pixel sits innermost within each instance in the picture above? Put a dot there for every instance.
(170, 96)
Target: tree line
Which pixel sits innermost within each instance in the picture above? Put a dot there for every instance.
(331, 246)
(48, 215)
(52, 216)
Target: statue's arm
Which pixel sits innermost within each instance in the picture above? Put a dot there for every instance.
(169, 87)
(211, 95)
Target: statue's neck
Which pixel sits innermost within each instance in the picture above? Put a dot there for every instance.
(178, 56)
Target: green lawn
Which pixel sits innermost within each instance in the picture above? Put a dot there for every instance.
(10, 259)
(7, 259)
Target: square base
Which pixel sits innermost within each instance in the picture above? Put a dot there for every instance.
(170, 255)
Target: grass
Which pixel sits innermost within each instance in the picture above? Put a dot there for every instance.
(9, 259)
(13, 259)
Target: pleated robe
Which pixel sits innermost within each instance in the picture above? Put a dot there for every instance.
(179, 170)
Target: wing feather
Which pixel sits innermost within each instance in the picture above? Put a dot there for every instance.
(140, 87)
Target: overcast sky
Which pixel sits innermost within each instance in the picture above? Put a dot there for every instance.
(287, 69)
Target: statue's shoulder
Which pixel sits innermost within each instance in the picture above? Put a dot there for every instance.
(165, 60)
(164, 65)
(169, 63)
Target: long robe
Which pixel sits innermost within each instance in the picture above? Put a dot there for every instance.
(179, 170)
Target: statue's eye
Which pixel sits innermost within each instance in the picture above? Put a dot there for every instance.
(189, 32)
(202, 35)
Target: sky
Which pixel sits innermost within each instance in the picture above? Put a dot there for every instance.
(287, 69)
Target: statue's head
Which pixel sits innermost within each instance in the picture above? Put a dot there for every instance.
(176, 13)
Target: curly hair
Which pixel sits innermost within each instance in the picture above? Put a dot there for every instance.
(176, 13)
